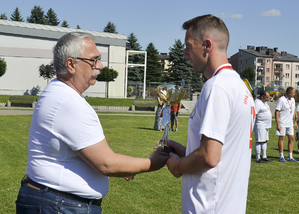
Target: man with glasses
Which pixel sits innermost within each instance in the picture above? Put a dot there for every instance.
(69, 158)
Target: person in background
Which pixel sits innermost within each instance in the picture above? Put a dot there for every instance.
(263, 123)
(297, 133)
(175, 110)
(285, 115)
(158, 120)
(215, 166)
(69, 157)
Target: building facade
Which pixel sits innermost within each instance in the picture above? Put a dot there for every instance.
(26, 46)
(272, 68)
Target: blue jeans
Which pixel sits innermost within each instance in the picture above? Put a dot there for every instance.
(31, 201)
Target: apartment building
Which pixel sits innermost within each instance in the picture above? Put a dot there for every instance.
(273, 68)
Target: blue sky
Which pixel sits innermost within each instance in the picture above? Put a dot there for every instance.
(271, 23)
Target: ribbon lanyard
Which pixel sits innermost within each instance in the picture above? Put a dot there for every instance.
(289, 103)
(224, 67)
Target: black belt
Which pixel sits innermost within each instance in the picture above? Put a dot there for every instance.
(38, 186)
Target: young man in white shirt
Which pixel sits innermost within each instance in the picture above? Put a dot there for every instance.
(215, 165)
(285, 115)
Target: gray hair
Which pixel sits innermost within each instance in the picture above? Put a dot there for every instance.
(70, 45)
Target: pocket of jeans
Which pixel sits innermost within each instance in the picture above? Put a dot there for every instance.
(28, 209)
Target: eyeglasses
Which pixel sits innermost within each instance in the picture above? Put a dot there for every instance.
(95, 61)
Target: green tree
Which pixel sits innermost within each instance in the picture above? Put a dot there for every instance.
(78, 27)
(107, 75)
(180, 67)
(3, 67)
(3, 16)
(64, 24)
(37, 16)
(16, 16)
(47, 71)
(249, 74)
(153, 66)
(135, 74)
(51, 18)
(110, 28)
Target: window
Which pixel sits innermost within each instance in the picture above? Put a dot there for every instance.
(297, 67)
(286, 84)
(268, 61)
(297, 76)
(287, 66)
(268, 70)
(287, 75)
(268, 79)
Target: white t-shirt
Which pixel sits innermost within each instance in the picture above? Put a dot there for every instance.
(286, 110)
(62, 123)
(225, 112)
(263, 114)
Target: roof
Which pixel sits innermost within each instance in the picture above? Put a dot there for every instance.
(287, 57)
(54, 32)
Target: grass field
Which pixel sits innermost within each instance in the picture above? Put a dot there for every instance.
(272, 186)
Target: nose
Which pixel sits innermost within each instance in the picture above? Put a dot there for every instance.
(99, 65)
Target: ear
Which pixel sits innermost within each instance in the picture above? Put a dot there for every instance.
(70, 65)
(208, 45)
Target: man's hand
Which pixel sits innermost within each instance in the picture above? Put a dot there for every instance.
(171, 164)
(157, 159)
(179, 149)
(278, 128)
(129, 178)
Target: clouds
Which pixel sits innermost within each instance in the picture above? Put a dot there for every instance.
(268, 13)
(272, 12)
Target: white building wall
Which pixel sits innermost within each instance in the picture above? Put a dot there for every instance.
(24, 55)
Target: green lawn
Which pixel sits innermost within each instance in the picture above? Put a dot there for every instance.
(272, 186)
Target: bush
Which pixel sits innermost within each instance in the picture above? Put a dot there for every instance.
(3, 67)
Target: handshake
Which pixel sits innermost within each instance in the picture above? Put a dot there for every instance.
(170, 152)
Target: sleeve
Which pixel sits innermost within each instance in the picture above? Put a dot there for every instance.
(297, 108)
(279, 104)
(77, 124)
(216, 113)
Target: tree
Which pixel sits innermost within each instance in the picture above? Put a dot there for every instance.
(153, 67)
(47, 71)
(16, 16)
(249, 74)
(107, 75)
(135, 74)
(3, 67)
(78, 27)
(64, 24)
(3, 16)
(110, 28)
(37, 16)
(180, 67)
(51, 18)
